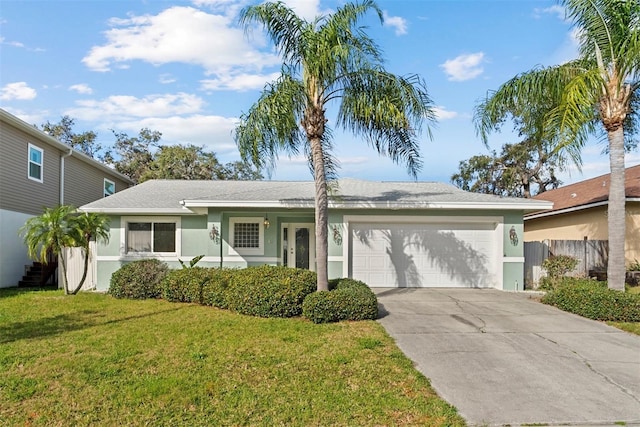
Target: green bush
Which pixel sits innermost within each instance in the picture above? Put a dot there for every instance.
(139, 279)
(214, 291)
(347, 299)
(269, 291)
(185, 285)
(556, 267)
(592, 299)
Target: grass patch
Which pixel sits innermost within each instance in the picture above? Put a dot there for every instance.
(92, 359)
(633, 327)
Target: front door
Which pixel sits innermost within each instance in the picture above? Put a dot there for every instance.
(298, 246)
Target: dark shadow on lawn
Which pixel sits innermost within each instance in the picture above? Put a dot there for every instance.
(54, 325)
(13, 291)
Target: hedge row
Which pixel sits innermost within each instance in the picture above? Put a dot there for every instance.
(592, 299)
(264, 291)
(347, 299)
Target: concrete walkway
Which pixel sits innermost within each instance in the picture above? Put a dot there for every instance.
(502, 358)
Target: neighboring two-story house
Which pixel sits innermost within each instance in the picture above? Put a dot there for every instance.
(38, 171)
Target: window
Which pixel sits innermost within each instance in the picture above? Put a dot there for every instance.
(109, 187)
(247, 236)
(151, 237)
(35, 163)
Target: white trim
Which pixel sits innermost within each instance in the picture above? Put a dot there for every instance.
(141, 211)
(246, 220)
(41, 150)
(575, 209)
(291, 259)
(238, 258)
(516, 259)
(335, 258)
(104, 187)
(529, 205)
(160, 255)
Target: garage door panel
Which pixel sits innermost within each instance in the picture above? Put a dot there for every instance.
(424, 255)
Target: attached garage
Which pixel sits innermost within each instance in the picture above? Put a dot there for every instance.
(426, 252)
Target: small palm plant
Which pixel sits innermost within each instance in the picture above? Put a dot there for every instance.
(60, 227)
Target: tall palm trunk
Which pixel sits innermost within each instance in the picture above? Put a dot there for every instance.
(616, 211)
(321, 214)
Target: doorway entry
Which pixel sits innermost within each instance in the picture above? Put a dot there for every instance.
(298, 246)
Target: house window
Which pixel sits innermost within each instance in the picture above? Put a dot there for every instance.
(151, 237)
(247, 235)
(109, 187)
(34, 165)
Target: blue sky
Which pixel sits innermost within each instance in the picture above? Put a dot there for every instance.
(186, 69)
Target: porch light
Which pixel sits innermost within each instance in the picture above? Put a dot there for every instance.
(266, 221)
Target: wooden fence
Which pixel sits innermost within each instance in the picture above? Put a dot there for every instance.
(591, 255)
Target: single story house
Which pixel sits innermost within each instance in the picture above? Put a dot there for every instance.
(387, 234)
(580, 213)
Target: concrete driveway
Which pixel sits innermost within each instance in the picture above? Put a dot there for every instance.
(504, 359)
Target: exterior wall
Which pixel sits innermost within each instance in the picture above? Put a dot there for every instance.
(196, 239)
(84, 183)
(22, 198)
(589, 223)
(13, 253)
(18, 193)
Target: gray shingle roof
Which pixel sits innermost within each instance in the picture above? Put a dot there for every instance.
(173, 196)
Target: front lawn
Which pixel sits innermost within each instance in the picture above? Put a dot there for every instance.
(91, 359)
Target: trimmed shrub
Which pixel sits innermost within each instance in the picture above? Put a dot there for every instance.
(592, 299)
(138, 279)
(185, 285)
(214, 291)
(269, 291)
(347, 299)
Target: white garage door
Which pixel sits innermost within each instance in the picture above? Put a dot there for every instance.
(424, 255)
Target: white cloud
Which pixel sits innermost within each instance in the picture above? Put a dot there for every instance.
(464, 67)
(180, 34)
(119, 106)
(240, 82)
(306, 9)
(443, 114)
(397, 22)
(82, 88)
(166, 79)
(17, 91)
(214, 132)
(557, 10)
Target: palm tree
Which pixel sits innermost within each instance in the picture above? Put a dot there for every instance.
(330, 60)
(88, 226)
(598, 91)
(60, 227)
(49, 233)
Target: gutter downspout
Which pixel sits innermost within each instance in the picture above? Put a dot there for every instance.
(62, 174)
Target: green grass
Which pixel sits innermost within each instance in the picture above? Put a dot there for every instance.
(91, 359)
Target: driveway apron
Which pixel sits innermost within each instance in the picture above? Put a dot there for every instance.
(503, 358)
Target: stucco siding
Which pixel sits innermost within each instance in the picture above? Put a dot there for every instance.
(196, 239)
(13, 252)
(18, 193)
(589, 223)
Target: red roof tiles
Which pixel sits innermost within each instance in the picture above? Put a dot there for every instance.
(590, 191)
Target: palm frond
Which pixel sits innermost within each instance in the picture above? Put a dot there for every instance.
(388, 111)
(273, 123)
(282, 25)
